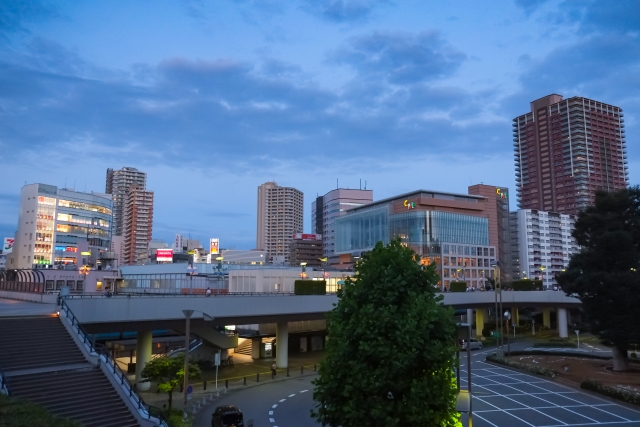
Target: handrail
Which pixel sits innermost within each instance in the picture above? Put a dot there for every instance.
(122, 294)
(114, 369)
(3, 384)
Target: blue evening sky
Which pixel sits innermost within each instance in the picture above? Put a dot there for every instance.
(213, 98)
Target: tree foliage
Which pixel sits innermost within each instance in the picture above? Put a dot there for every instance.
(603, 275)
(168, 372)
(20, 413)
(390, 356)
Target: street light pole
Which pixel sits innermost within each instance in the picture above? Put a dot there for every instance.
(187, 314)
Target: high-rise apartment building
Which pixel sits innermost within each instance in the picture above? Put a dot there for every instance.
(137, 224)
(565, 150)
(280, 215)
(59, 226)
(541, 244)
(325, 209)
(305, 248)
(118, 182)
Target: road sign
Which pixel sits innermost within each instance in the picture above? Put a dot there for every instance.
(217, 360)
(189, 389)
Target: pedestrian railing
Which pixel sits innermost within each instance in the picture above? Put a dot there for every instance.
(112, 368)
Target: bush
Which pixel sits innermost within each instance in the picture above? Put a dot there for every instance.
(18, 412)
(525, 285)
(616, 393)
(310, 287)
(458, 286)
(538, 370)
(557, 344)
(486, 332)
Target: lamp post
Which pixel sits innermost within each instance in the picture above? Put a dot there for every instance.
(192, 270)
(303, 274)
(187, 315)
(84, 270)
(507, 317)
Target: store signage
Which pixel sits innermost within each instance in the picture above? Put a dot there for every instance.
(303, 236)
(164, 255)
(7, 247)
(502, 194)
(214, 246)
(409, 205)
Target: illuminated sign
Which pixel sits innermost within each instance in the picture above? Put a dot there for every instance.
(302, 236)
(214, 246)
(85, 253)
(409, 205)
(7, 247)
(502, 194)
(164, 255)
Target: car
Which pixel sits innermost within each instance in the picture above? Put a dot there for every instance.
(227, 416)
(475, 344)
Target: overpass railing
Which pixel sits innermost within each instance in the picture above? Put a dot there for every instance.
(181, 295)
(144, 409)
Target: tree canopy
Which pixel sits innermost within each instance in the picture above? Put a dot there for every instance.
(168, 372)
(21, 413)
(390, 353)
(604, 274)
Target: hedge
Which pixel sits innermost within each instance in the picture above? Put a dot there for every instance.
(555, 344)
(525, 285)
(616, 393)
(522, 366)
(458, 287)
(310, 287)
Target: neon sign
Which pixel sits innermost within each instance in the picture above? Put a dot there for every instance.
(409, 205)
(503, 195)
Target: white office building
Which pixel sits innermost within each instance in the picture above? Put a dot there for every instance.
(541, 244)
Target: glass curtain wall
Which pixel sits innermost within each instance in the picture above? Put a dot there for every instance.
(362, 230)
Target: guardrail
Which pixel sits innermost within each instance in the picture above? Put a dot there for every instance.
(172, 295)
(113, 368)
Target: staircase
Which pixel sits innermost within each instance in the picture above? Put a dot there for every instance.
(43, 364)
(244, 348)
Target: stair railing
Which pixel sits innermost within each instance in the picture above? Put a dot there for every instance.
(3, 384)
(113, 369)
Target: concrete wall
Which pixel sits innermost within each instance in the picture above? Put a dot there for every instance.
(28, 296)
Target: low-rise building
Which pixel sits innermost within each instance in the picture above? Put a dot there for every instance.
(306, 248)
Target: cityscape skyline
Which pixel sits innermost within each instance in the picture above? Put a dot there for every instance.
(399, 96)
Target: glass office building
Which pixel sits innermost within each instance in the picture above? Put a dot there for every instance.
(433, 225)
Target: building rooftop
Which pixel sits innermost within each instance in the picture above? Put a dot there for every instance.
(434, 194)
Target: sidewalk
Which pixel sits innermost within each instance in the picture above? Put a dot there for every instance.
(245, 373)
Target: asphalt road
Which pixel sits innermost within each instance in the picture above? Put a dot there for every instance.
(278, 404)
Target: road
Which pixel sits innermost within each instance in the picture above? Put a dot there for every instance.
(501, 398)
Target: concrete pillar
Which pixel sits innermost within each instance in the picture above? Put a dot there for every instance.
(255, 348)
(479, 321)
(144, 344)
(516, 316)
(546, 317)
(562, 322)
(470, 318)
(282, 341)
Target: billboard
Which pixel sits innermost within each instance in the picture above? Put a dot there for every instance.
(178, 243)
(303, 236)
(164, 255)
(214, 246)
(7, 247)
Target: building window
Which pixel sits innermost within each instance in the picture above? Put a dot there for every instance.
(79, 285)
(49, 285)
(99, 286)
(59, 284)
(71, 283)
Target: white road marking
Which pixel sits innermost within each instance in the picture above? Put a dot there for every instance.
(271, 420)
(270, 412)
(291, 395)
(275, 405)
(304, 391)
(282, 400)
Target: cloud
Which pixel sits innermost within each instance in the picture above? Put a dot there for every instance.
(342, 10)
(530, 6)
(400, 58)
(16, 14)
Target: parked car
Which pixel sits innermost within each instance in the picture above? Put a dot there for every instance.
(227, 416)
(475, 344)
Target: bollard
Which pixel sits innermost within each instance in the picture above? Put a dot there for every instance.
(224, 391)
(258, 377)
(315, 368)
(204, 401)
(193, 411)
(287, 371)
(181, 388)
(226, 384)
(217, 394)
(210, 397)
(244, 379)
(301, 369)
(205, 384)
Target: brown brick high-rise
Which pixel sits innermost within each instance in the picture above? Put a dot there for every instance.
(565, 150)
(137, 224)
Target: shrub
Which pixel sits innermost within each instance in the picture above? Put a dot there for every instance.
(486, 333)
(538, 370)
(616, 393)
(555, 344)
(525, 285)
(310, 287)
(458, 286)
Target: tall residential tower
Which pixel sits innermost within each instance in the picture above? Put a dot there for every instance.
(280, 216)
(118, 182)
(565, 150)
(137, 224)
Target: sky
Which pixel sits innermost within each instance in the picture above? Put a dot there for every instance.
(213, 98)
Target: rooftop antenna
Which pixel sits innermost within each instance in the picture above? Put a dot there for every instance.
(365, 185)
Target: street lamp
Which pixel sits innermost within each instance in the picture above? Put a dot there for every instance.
(303, 274)
(507, 317)
(192, 270)
(84, 270)
(187, 332)
(498, 290)
(463, 401)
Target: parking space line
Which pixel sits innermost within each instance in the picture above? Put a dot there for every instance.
(475, 414)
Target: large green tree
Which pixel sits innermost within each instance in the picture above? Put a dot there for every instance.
(604, 274)
(168, 373)
(390, 353)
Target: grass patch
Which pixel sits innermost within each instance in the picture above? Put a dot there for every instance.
(616, 393)
(20, 413)
(538, 370)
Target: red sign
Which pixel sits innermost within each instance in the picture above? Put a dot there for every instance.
(307, 236)
(164, 255)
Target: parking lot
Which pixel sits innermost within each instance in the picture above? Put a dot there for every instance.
(505, 398)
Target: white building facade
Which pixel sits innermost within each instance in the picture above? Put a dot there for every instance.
(325, 209)
(60, 227)
(541, 244)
